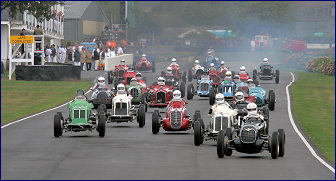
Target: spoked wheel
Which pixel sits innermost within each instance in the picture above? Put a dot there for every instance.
(57, 126)
(190, 91)
(101, 124)
(271, 100)
(275, 145)
(277, 76)
(141, 115)
(182, 89)
(282, 140)
(155, 123)
(222, 146)
(198, 135)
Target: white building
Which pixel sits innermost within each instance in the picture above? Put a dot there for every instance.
(52, 29)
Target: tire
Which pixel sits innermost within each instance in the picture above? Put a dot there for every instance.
(141, 116)
(101, 124)
(277, 76)
(197, 115)
(60, 114)
(254, 74)
(144, 98)
(101, 108)
(212, 96)
(190, 93)
(271, 100)
(115, 83)
(184, 76)
(109, 77)
(266, 114)
(233, 73)
(189, 75)
(57, 126)
(153, 66)
(228, 133)
(220, 89)
(198, 137)
(221, 144)
(256, 82)
(275, 145)
(282, 140)
(162, 74)
(155, 123)
(182, 89)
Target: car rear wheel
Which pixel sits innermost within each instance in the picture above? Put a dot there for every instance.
(182, 89)
(101, 108)
(155, 122)
(141, 116)
(277, 76)
(233, 73)
(153, 66)
(190, 93)
(162, 74)
(254, 75)
(275, 145)
(101, 124)
(228, 133)
(212, 96)
(57, 126)
(109, 77)
(189, 75)
(198, 135)
(282, 140)
(271, 100)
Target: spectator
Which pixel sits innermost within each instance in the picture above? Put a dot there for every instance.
(53, 52)
(96, 58)
(22, 33)
(38, 31)
(83, 58)
(120, 51)
(77, 57)
(48, 52)
(88, 59)
(64, 51)
(59, 54)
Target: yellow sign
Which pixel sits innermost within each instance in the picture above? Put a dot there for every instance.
(21, 39)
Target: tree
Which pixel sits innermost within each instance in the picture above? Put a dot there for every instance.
(39, 9)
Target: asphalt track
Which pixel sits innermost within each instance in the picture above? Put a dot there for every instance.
(29, 150)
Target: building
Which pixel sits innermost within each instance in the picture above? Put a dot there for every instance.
(52, 29)
(83, 20)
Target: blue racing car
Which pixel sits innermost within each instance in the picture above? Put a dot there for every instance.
(204, 86)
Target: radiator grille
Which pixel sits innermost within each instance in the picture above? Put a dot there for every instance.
(204, 86)
(248, 135)
(161, 97)
(175, 119)
(134, 93)
(220, 123)
(121, 109)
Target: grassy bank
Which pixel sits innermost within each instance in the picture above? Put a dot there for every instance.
(22, 98)
(314, 108)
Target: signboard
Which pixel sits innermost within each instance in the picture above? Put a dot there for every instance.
(222, 33)
(318, 34)
(318, 46)
(21, 39)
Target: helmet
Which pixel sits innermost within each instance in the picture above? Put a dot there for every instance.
(209, 53)
(143, 55)
(242, 68)
(122, 61)
(228, 73)
(236, 77)
(196, 62)
(138, 76)
(222, 62)
(121, 89)
(219, 98)
(239, 96)
(265, 59)
(177, 95)
(173, 60)
(212, 64)
(252, 108)
(161, 81)
(101, 80)
(169, 69)
(249, 81)
(134, 81)
(79, 92)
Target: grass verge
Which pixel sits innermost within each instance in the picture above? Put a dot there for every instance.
(23, 98)
(314, 109)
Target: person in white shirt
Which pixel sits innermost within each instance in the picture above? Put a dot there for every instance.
(120, 51)
(47, 54)
(64, 50)
(59, 54)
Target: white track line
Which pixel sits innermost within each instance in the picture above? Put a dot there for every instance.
(42, 111)
(312, 151)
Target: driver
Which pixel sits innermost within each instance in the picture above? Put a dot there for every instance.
(197, 63)
(161, 81)
(228, 75)
(134, 81)
(236, 78)
(265, 62)
(80, 95)
(240, 98)
(121, 89)
(252, 111)
(173, 62)
(100, 84)
(212, 66)
(222, 66)
(122, 62)
(143, 57)
(169, 71)
(219, 101)
(250, 83)
(242, 70)
(176, 97)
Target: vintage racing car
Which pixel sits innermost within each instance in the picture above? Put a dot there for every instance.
(80, 118)
(266, 73)
(196, 72)
(144, 64)
(204, 85)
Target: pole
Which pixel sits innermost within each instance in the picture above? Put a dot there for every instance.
(152, 42)
(126, 22)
